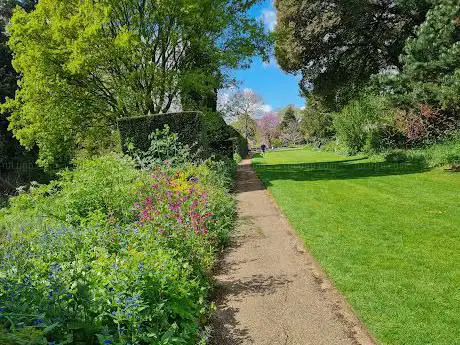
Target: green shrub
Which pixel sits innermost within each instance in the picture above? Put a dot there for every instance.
(277, 143)
(189, 126)
(112, 254)
(219, 136)
(443, 153)
(316, 121)
(239, 143)
(383, 137)
(359, 119)
(103, 185)
(396, 156)
(165, 147)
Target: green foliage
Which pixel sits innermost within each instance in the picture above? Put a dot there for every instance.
(277, 143)
(111, 254)
(84, 64)
(205, 134)
(431, 63)
(189, 127)
(16, 165)
(442, 154)
(427, 88)
(246, 126)
(287, 118)
(359, 121)
(222, 139)
(165, 148)
(316, 121)
(239, 143)
(101, 186)
(339, 45)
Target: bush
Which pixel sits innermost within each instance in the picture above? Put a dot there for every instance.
(335, 146)
(164, 147)
(109, 254)
(383, 137)
(277, 143)
(396, 156)
(239, 143)
(360, 118)
(103, 185)
(189, 126)
(443, 153)
(316, 121)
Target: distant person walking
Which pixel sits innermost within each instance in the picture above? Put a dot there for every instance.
(263, 147)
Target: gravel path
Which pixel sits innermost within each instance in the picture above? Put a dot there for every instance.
(270, 290)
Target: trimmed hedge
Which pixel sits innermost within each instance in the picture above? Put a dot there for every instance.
(189, 126)
(240, 144)
(208, 132)
(223, 139)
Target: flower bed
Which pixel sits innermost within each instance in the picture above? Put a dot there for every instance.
(109, 254)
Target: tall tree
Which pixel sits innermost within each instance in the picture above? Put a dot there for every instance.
(338, 44)
(11, 153)
(85, 63)
(316, 121)
(431, 62)
(269, 128)
(246, 126)
(241, 107)
(288, 117)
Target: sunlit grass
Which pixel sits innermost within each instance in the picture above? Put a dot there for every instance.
(388, 235)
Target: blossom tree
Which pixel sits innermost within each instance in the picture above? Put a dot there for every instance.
(269, 128)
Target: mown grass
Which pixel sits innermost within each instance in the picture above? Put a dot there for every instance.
(388, 235)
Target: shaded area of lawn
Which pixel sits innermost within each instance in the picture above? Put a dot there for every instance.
(338, 170)
(388, 235)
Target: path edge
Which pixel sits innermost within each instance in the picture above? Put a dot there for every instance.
(343, 310)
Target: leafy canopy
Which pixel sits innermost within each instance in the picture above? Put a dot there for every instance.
(288, 117)
(86, 63)
(431, 62)
(337, 45)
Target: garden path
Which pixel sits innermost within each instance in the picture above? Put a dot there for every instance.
(270, 290)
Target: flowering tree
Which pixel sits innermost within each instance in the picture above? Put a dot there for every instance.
(269, 128)
(241, 107)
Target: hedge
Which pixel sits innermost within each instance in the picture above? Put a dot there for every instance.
(189, 126)
(208, 132)
(240, 144)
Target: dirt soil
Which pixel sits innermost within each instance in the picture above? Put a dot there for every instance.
(270, 290)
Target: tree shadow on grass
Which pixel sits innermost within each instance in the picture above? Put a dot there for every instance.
(339, 170)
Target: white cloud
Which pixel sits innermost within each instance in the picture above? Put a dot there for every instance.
(266, 108)
(269, 19)
(303, 107)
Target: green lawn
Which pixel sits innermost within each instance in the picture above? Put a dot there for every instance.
(387, 235)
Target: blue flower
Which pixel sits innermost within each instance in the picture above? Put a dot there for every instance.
(107, 341)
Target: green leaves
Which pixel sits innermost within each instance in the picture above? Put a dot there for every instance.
(431, 72)
(339, 45)
(84, 64)
(82, 263)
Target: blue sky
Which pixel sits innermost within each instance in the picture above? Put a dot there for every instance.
(277, 88)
